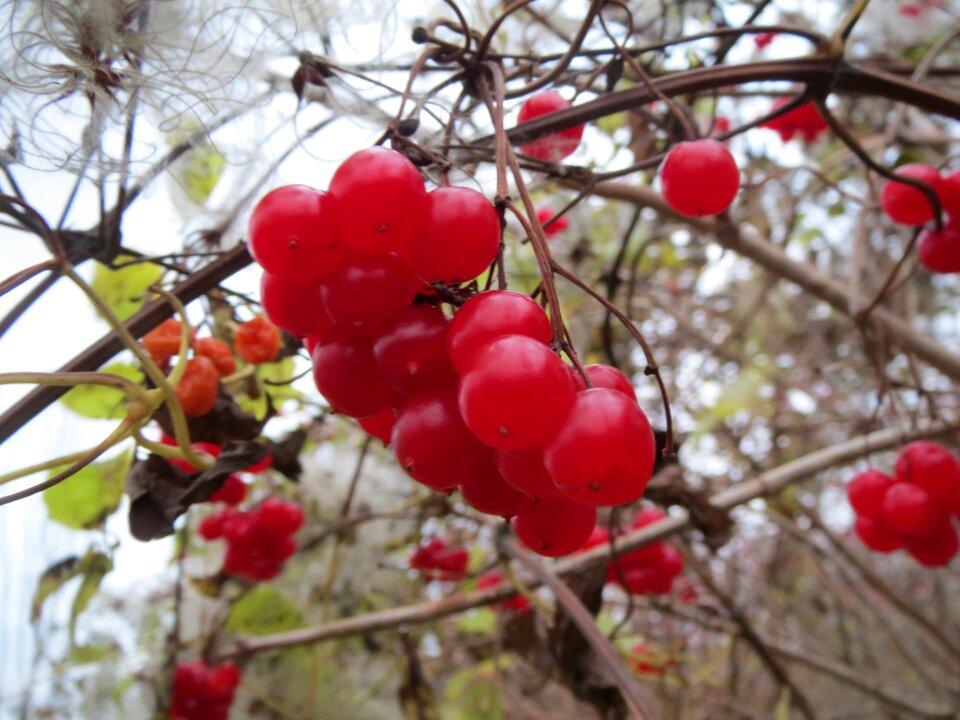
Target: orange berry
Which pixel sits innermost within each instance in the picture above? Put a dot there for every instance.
(257, 341)
(197, 389)
(219, 352)
(163, 342)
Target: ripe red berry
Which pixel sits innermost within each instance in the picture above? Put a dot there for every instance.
(294, 306)
(932, 467)
(515, 393)
(163, 342)
(603, 451)
(197, 389)
(206, 447)
(607, 376)
(699, 178)
(909, 510)
(805, 120)
(555, 146)
(867, 490)
(367, 292)
(939, 252)
(435, 560)
(459, 239)
(490, 315)
(291, 234)
(214, 525)
(201, 692)
(232, 492)
(379, 425)
(411, 351)
(380, 201)
(485, 490)
(949, 194)
(524, 471)
(545, 215)
(347, 375)
(555, 526)
(906, 204)
(492, 579)
(876, 535)
(277, 517)
(432, 444)
(257, 341)
(761, 40)
(219, 352)
(935, 548)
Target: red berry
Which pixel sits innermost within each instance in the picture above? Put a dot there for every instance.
(761, 40)
(206, 447)
(379, 425)
(557, 226)
(294, 306)
(492, 579)
(932, 467)
(949, 193)
(647, 516)
(909, 510)
(515, 393)
(490, 315)
(197, 389)
(348, 377)
(437, 561)
(380, 201)
(607, 376)
(936, 547)
(411, 351)
(524, 471)
(232, 492)
(867, 490)
(214, 524)
(367, 292)
(257, 341)
(485, 490)
(432, 444)
(555, 526)
(201, 692)
(261, 466)
(939, 252)
(459, 239)
(218, 352)
(278, 518)
(699, 178)
(876, 535)
(603, 452)
(906, 204)
(670, 560)
(805, 119)
(291, 234)
(555, 146)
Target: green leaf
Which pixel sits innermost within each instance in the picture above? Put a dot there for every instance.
(473, 694)
(52, 579)
(202, 171)
(124, 289)
(85, 499)
(263, 611)
(85, 654)
(95, 567)
(482, 621)
(99, 401)
(278, 372)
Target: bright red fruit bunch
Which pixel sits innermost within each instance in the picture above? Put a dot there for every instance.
(479, 404)
(201, 692)
(911, 511)
(939, 252)
(259, 541)
(649, 570)
(435, 560)
(804, 121)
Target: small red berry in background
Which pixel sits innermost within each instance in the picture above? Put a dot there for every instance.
(555, 146)
(197, 389)
(699, 178)
(257, 341)
(435, 560)
(556, 227)
(232, 492)
(866, 492)
(906, 204)
(721, 125)
(939, 252)
(218, 352)
(379, 201)
(201, 692)
(804, 120)
(291, 234)
(761, 40)
(492, 579)
(876, 535)
(163, 342)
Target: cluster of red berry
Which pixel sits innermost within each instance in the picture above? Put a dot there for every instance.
(911, 511)
(480, 403)
(259, 541)
(649, 570)
(939, 252)
(234, 490)
(255, 341)
(201, 692)
(435, 560)
(805, 121)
